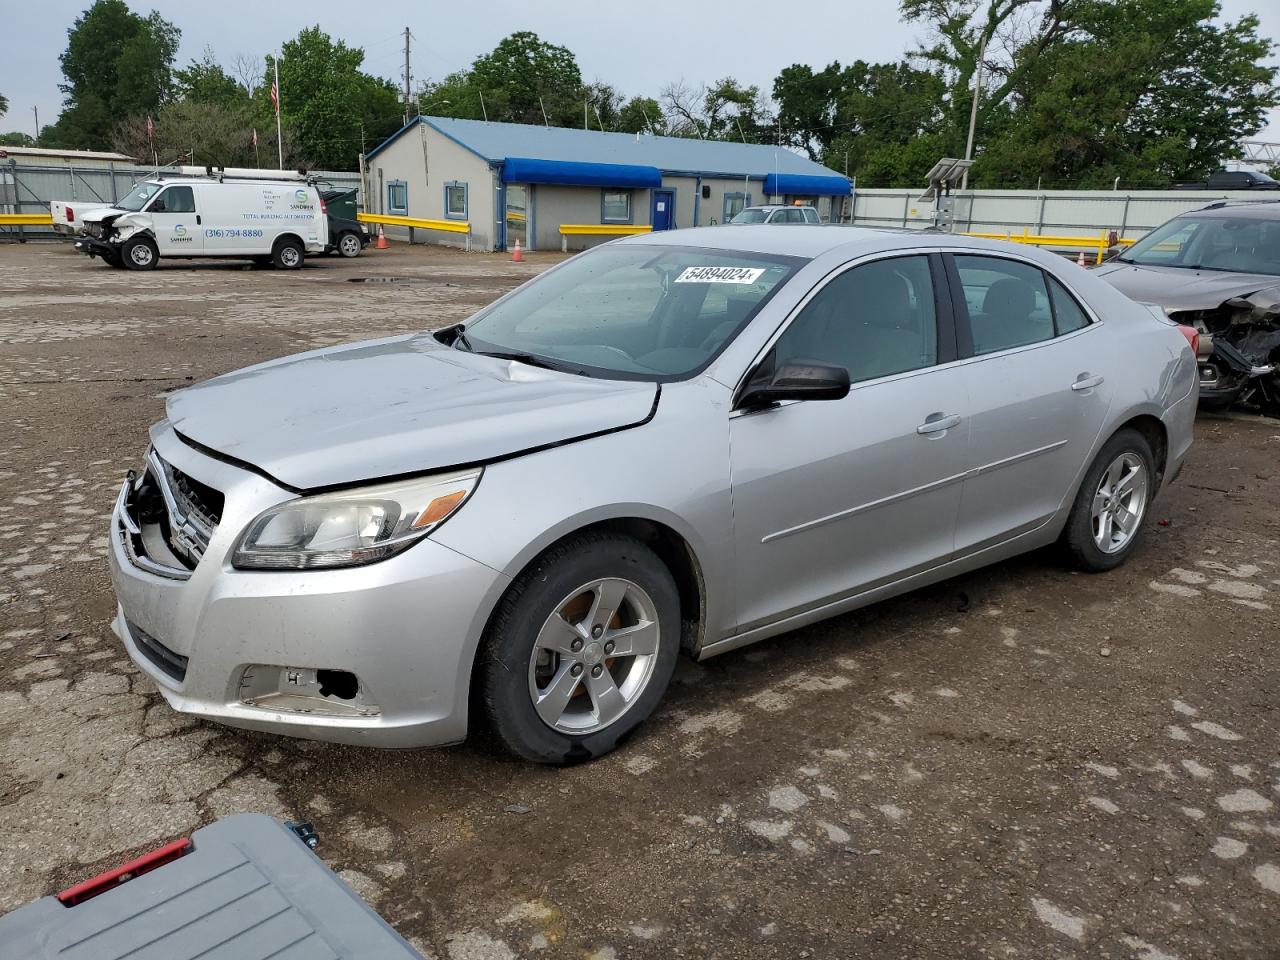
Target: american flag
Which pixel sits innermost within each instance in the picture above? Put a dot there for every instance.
(275, 98)
(151, 128)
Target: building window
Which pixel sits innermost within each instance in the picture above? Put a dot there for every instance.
(398, 197)
(455, 200)
(615, 206)
(734, 204)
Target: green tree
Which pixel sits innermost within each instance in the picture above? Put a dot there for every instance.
(807, 101)
(116, 64)
(1141, 90)
(642, 115)
(523, 69)
(329, 104)
(4, 105)
(16, 138)
(204, 81)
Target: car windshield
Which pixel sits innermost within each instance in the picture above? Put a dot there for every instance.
(1221, 243)
(751, 216)
(631, 311)
(138, 197)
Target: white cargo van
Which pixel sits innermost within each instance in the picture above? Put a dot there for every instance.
(269, 216)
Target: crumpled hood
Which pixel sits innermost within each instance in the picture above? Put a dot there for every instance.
(98, 214)
(380, 408)
(1177, 289)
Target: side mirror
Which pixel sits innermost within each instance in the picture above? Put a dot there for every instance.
(158, 207)
(794, 380)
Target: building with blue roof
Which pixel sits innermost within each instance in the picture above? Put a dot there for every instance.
(515, 182)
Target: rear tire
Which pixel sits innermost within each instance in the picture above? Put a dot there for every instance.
(287, 254)
(139, 253)
(1106, 519)
(591, 598)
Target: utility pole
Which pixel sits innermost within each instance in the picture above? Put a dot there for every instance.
(406, 76)
(973, 112)
(36, 111)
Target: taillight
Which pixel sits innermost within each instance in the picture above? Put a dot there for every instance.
(71, 215)
(124, 873)
(324, 207)
(1193, 338)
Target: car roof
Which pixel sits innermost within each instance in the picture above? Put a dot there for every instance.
(1237, 209)
(779, 206)
(816, 239)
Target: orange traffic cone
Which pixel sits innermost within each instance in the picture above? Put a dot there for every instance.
(382, 239)
(1080, 259)
(516, 255)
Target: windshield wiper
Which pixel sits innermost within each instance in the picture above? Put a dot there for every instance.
(531, 359)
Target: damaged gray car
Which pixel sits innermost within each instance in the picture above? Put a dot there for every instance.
(1218, 270)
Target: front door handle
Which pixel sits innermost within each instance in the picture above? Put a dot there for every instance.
(937, 422)
(1086, 382)
(197, 219)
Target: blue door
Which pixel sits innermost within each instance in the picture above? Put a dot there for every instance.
(664, 209)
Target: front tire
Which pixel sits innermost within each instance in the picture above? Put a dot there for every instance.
(580, 650)
(349, 245)
(1106, 519)
(287, 254)
(139, 253)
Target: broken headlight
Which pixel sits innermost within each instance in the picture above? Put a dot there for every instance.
(350, 528)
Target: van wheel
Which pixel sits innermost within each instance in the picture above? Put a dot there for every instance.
(580, 649)
(287, 254)
(349, 245)
(139, 253)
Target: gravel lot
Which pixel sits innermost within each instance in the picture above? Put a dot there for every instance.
(1019, 763)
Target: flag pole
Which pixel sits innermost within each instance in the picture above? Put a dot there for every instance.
(279, 143)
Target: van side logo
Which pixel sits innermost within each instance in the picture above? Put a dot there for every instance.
(301, 196)
(179, 230)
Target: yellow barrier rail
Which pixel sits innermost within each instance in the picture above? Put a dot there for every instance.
(568, 230)
(26, 219)
(416, 223)
(1102, 243)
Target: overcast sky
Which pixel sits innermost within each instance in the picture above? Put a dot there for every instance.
(636, 47)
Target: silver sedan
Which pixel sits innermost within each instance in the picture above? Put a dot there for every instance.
(686, 441)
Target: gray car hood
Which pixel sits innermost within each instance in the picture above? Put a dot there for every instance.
(382, 408)
(1177, 289)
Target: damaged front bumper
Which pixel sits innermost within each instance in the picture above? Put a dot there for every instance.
(1244, 364)
(94, 247)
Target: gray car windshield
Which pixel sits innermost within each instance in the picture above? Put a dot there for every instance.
(631, 311)
(1231, 244)
(138, 197)
(751, 216)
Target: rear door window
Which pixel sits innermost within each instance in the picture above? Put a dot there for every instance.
(1008, 303)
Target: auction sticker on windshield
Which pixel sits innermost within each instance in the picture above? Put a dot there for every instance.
(720, 275)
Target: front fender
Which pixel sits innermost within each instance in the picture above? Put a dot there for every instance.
(132, 225)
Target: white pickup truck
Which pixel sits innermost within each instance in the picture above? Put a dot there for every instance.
(68, 214)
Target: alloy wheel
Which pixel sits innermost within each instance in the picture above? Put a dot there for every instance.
(1119, 503)
(594, 656)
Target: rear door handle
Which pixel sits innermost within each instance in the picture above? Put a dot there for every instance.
(937, 422)
(1084, 382)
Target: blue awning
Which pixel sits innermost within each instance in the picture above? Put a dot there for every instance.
(526, 170)
(805, 185)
